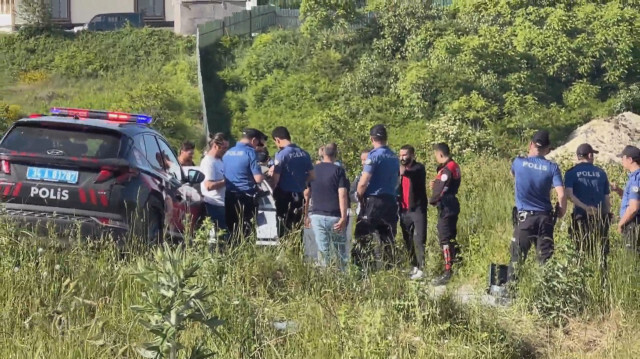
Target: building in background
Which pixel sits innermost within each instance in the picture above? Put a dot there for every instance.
(191, 13)
(183, 15)
(7, 18)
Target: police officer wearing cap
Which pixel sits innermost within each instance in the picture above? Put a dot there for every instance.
(535, 176)
(292, 171)
(376, 191)
(629, 217)
(587, 186)
(242, 174)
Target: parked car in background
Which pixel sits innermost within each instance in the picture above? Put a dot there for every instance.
(112, 21)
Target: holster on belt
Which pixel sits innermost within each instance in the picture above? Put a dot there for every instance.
(554, 214)
(514, 216)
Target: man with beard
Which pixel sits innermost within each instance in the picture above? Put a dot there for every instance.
(412, 198)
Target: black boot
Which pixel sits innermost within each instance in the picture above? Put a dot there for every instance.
(443, 279)
(446, 276)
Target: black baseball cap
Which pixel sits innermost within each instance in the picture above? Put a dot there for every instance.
(541, 139)
(631, 151)
(378, 131)
(253, 133)
(585, 149)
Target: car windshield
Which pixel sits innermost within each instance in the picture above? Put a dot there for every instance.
(74, 142)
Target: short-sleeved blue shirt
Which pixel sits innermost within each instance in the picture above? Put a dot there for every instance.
(293, 164)
(589, 183)
(384, 167)
(535, 177)
(240, 165)
(631, 191)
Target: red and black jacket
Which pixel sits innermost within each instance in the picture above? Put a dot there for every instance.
(447, 182)
(417, 176)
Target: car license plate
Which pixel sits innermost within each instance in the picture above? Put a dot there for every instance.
(52, 175)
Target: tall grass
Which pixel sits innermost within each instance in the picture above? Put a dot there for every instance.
(73, 298)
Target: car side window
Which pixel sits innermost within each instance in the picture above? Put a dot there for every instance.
(153, 154)
(170, 160)
(140, 145)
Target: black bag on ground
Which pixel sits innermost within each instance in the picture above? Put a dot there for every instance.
(498, 275)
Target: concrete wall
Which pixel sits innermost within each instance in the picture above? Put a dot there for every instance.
(5, 22)
(188, 15)
(82, 11)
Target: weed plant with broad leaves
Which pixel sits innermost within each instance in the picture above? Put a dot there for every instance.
(172, 302)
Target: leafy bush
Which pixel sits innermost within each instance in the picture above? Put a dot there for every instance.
(31, 77)
(8, 115)
(628, 99)
(95, 53)
(494, 69)
(318, 15)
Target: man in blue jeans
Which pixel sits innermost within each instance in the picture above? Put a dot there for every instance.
(330, 197)
(213, 186)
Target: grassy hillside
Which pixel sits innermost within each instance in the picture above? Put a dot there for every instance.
(74, 300)
(138, 70)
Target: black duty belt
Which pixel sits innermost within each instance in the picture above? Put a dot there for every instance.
(537, 213)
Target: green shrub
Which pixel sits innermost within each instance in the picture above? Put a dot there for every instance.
(628, 99)
(8, 115)
(138, 70)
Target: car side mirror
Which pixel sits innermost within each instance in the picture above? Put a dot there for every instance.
(195, 176)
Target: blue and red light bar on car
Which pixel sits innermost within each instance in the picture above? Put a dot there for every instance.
(102, 115)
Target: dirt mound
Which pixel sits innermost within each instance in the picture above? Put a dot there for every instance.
(607, 135)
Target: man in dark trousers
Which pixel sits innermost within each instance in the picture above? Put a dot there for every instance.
(535, 176)
(291, 172)
(377, 191)
(587, 186)
(242, 175)
(412, 197)
(629, 224)
(444, 190)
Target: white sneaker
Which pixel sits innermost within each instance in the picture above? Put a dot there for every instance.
(417, 275)
(413, 271)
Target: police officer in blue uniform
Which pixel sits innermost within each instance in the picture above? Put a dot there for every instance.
(587, 186)
(242, 175)
(629, 224)
(376, 192)
(535, 176)
(292, 171)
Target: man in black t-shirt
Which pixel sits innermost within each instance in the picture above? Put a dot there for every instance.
(330, 196)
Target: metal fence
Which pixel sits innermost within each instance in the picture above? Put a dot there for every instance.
(247, 22)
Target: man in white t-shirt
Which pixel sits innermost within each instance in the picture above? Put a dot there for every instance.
(212, 187)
